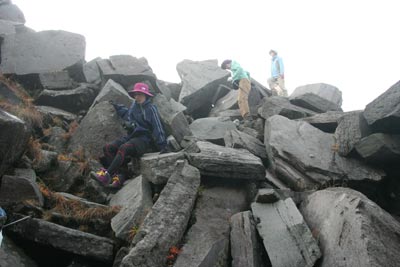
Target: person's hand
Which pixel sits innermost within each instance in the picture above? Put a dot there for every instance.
(229, 79)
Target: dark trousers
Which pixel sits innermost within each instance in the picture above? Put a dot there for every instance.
(120, 152)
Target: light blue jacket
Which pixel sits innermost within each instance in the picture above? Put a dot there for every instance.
(238, 72)
(277, 67)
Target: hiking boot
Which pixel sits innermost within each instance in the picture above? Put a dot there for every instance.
(117, 181)
(102, 176)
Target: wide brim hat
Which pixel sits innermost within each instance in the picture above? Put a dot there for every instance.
(140, 88)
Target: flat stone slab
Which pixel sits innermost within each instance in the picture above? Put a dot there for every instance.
(157, 168)
(286, 236)
(277, 105)
(212, 129)
(326, 122)
(380, 149)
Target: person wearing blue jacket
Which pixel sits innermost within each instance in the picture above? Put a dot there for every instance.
(277, 80)
(144, 130)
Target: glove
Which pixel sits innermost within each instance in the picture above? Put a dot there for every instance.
(229, 79)
(129, 126)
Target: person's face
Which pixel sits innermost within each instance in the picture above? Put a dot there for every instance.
(228, 66)
(272, 54)
(139, 97)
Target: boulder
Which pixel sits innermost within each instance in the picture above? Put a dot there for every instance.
(157, 168)
(11, 255)
(135, 200)
(277, 105)
(42, 52)
(165, 225)
(126, 70)
(351, 128)
(266, 195)
(207, 240)
(57, 139)
(225, 103)
(73, 100)
(200, 80)
(52, 115)
(65, 239)
(285, 234)
(246, 251)
(319, 97)
(351, 229)
(237, 139)
(46, 161)
(7, 94)
(174, 88)
(380, 149)
(171, 114)
(232, 114)
(305, 157)
(66, 177)
(115, 92)
(6, 27)
(383, 114)
(326, 122)
(212, 129)
(12, 13)
(58, 80)
(224, 162)
(101, 125)
(13, 142)
(92, 72)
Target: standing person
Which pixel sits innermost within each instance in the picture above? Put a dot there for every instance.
(241, 79)
(277, 80)
(143, 125)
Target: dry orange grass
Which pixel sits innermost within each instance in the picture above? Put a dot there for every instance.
(34, 150)
(71, 130)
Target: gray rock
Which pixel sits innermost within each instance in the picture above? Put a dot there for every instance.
(8, 95)
(207, 241)
(135, 200)
(351, 229)
(305, 157)
(115, 92)
(352, 127)
(175, 89)
(286, 236)
(126, 70)
(92, 72)
(46, 161)
(237, 139)
(277, 105)
(383, 114)
(233, 114)
(224, 162)
(41, 52)
(63, 238)
(57, 139)
(326, 122)
(19, 187)
(164, 89)
(13, 142)
(225, 103)
(212, 129)
(165, 225)
(11, 255)
(319, 97)
(101, 125)
(6, 27)
(380, 149)
(266, 195)
(73, 100)
(200, 80)
(58, 80)
(245, 248)
(157, 168)
(66, 177)
(51, 113)
(11, 12)
(171, 114)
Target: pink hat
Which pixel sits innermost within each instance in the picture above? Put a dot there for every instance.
(140, 88)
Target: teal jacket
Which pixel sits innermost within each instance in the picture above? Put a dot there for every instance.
(276, 67)
(238, 72)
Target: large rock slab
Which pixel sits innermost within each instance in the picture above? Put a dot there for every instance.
(286, 236)
(352, 127)
(380, 149)
(277, 105)
(319, 97)
(207, 241)
(52, 114)
(101, 125)
(13, 142)
(42, 52)
(383, 114)
(306, 157)
(157, 168)
(212, 129)
(126, 70)
(11, 12)
(227, 102)
(11, 255)
(6, 27)
(224, 162)
(326, 122)
(73, 100)
(135, 200)
(165, 225)
(237, 139)
(58, 80)
(246, 251)
(63, 238)
(171, 114)
(351, 229)
(8, 95)
(115, 92)
(200, 80)
(92, 72)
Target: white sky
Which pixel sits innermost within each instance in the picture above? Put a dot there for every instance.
(351, 44)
